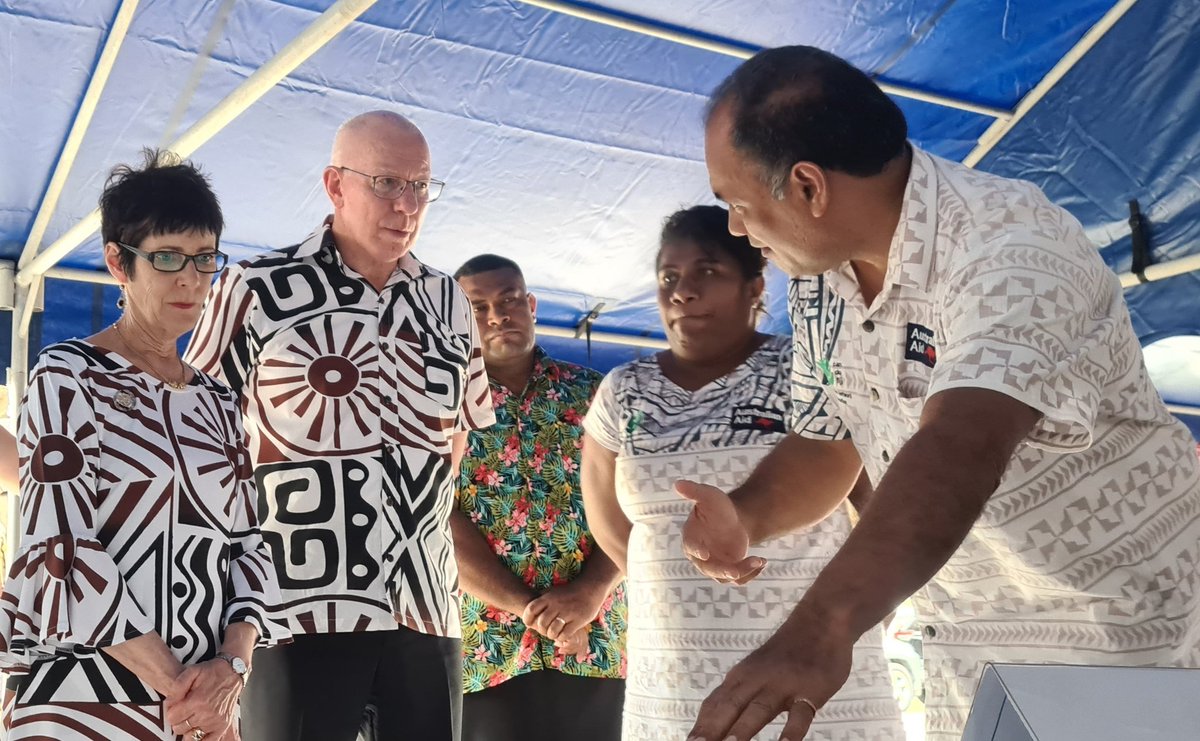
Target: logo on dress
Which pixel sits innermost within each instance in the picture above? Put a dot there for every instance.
(918, 345)
(760, 419)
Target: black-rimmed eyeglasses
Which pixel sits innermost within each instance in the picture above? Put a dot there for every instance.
(390, 187)
(170, 261)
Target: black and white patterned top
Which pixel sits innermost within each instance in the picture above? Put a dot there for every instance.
(686, 631)
(351, 398)
(653, 415)
(137, 515)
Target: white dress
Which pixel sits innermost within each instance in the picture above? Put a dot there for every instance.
(685, 630)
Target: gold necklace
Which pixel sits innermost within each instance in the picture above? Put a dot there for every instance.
(177, 385)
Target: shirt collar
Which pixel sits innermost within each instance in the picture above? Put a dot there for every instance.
(321, 241)
(543, 368)
(910, 259)
(910, 256)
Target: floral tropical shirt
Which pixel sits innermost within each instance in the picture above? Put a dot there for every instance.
(519, 483)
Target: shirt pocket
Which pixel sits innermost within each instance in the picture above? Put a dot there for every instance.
(446, 356)
(912, 388)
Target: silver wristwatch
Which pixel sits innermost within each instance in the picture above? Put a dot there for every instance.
(239, 666)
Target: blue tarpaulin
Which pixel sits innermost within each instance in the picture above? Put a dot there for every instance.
(565, 141)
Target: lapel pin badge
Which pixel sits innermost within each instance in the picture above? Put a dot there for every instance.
(124, 400)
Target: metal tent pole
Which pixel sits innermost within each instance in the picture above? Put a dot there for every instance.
(698, 41)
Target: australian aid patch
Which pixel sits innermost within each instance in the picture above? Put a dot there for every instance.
(918, 345)
(757, 418)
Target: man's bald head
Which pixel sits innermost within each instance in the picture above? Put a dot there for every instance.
(359, 136)
(372, 232)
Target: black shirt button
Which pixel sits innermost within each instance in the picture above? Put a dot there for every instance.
(868, 326)
(886, 457)
(874, 394)
(930, 631)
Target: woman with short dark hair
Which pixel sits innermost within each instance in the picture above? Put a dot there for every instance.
(142, 583)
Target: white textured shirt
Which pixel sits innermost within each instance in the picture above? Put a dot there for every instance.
(1089, 551)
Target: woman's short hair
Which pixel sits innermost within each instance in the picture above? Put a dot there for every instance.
(165, 195)
(708, 228)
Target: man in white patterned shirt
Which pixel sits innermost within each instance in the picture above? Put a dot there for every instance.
(958, 336)
(360, 374)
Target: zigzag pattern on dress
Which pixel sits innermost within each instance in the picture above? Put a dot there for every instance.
(138, 516)
(685, 631)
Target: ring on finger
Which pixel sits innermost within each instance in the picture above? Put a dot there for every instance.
(197, 735)
(805, 701)
(558, 620)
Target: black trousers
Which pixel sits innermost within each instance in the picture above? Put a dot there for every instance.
(545, 705)
(317, 688)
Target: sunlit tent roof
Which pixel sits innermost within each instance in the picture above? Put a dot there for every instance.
(567, 131)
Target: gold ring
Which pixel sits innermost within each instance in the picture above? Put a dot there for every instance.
(805, 701)
(197, 735)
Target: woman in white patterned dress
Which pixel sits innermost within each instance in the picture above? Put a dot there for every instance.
(142, 583)
(708, 409)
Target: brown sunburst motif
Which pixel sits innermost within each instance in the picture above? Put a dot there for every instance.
(319, 383)
(331, 375)
(57, 458)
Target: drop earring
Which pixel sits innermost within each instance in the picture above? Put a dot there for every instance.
(121, 299)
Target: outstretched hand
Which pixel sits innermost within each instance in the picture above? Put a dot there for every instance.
(714, 538)
(796, 671)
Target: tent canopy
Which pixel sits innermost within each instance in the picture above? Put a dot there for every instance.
(565, 141)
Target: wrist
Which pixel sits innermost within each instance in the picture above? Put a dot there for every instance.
(236, 664)
(517, 602)
(746, 518)
(812, 617)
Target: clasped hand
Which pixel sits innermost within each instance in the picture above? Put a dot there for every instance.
(204, 697)
(564, 614)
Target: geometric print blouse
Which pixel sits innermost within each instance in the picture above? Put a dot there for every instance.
(137, 515)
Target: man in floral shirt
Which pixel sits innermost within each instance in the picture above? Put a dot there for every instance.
(543, 610)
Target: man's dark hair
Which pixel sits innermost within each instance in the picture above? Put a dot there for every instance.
(486, 263)
(166, 195)
(800, 104)
(708, 228)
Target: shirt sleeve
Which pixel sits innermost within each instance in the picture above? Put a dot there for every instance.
(477, 412)
(222, 345)
(602, 422)
(63, 590)
(253, 589)
(1040, 318)
(816, 314)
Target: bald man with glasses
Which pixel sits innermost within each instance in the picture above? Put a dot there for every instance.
(360, 374)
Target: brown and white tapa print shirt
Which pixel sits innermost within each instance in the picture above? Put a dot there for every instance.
(351, 398)
(137, 515)
(1089, 551)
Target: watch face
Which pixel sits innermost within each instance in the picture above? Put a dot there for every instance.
(239, 666)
